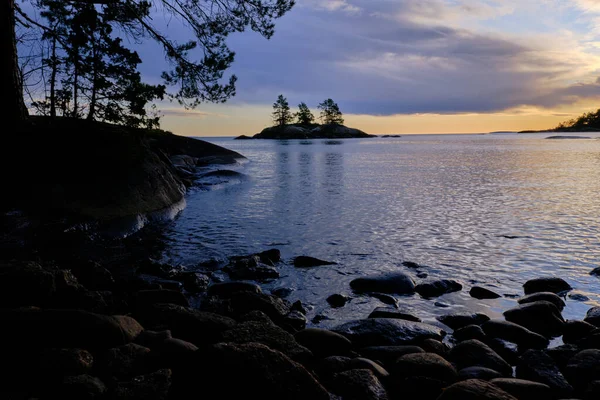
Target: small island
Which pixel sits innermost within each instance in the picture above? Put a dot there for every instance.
(331, 127)
(587, 122)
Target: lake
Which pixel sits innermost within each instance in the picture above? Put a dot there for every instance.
(491, 210)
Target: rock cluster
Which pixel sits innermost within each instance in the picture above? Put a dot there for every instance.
(70, 336)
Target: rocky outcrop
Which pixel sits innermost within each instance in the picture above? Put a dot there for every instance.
(388, 332)
(332, 131)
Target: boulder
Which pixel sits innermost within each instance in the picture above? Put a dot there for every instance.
(545, 296)
(469, 332)
(474, 389)
(562, 354)
(327, 367)
(390, 312)
(81, 387)
(251, 268)
(437, 288)
(247, 371)
(384, 298)
(416, 387)
(324, 343)
(309, 262)
(387, 332)
(294, 321)
(583, 368)
(592, 392)
(514, 333)
(524, 390)
(25, 284)
(173, 353)
(364, 363)
(574, 331)
(194, 326)
(460, 320)
(337, 300)
(67, 329)
(270, 335)
(388, 354)
(65, 362)
(593, 316)
(471, 353)
(152, 339)
(125, 361)
(394, 283)
(424, 364)
(244, 302)
(358, 384)
(436, 347)
(537, 366)
(485, 374)
(595, 271)
(540, 317)
(227, 289)
(551, 284)
(193, 282)
(154, 386)
(481, 293)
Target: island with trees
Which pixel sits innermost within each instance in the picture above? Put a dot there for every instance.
(301, 124)
(587, 122)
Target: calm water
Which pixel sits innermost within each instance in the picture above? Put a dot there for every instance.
(491, 210)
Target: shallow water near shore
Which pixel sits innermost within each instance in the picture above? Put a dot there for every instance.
(488, 210)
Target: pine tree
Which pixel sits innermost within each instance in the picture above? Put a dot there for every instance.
(330, 113)
(304, 116)
(281, 112)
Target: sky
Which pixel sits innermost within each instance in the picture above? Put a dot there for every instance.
(407, 66)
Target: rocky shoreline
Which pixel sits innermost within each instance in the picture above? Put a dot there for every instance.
(139, 329)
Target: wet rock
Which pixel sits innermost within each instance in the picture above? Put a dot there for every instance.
(593, 316)
(324, 343)
(297, 306)
(387, 332)
(248, 371)
(524, 390)
(147, 298)
(514, 333)
(395, 283)
(424, 364)
(282, 293)
(81, 387)
(590, 342)
(506, 350)
(583, 368)
(327, 367)
(537, 366)
(540, 317)
(592, 392)
(252, 269)
(413, 265)
(193, 282)
(194, 326)
(94, 276)
(274, 307)
(270, 335)
(389, 312)
(152, 339)
(309, 262)
(595, 271)
(364, 363)
(125, 361)
(270, 257)
(384, 298)
(388, 354)
(544, 296)
(471, 353)
(294, 321)
(227, 289)
(65, 362)
(578, 297)
(574, 331)
(474, 389)
(319, 317)
(481, 293)
(154, 386)
(552, 284)
(436, 347)
(485, 374)
(438, 288)
(358, 384)
(457, 321)
(172, 353)
(337, 300)
(469, 332)
(67, 329)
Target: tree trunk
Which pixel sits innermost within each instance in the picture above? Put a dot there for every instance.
(53, 79)
(92, 110)
(75, 83)
(14, 108)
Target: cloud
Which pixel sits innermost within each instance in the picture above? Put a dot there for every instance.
(183, 113)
